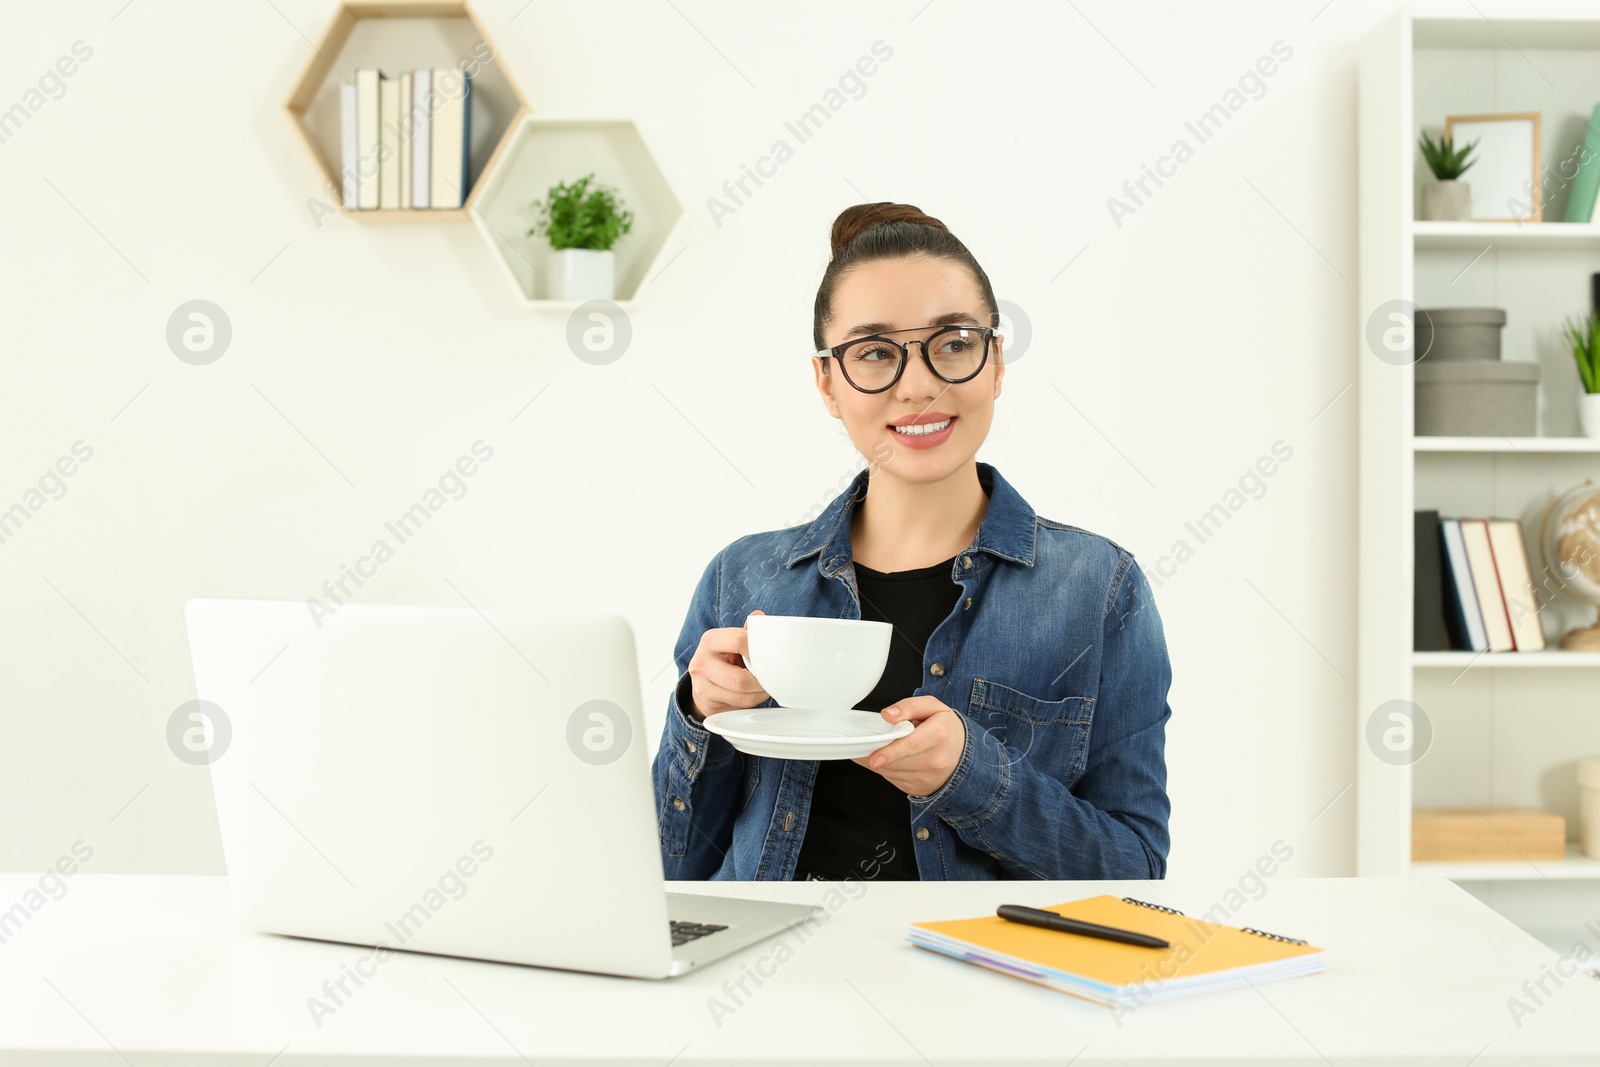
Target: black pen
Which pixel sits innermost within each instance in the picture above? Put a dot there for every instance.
(1019, 913)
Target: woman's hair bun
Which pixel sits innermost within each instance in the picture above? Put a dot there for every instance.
(856, 220)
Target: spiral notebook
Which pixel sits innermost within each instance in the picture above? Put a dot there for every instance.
(1204, 956)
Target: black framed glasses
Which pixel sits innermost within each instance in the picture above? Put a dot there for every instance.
(872, 364)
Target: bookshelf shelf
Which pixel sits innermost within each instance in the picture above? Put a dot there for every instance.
(1575, 865)
(1473, 236)
(395, 35)
(1506, 444)
(1548, 659)
(442, 214)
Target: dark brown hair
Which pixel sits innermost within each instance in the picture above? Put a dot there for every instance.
(867, 232)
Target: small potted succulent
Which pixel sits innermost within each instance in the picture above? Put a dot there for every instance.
(1446, 198)
(1583, 339)
(582, 221)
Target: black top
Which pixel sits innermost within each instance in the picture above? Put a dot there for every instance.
(857, 815)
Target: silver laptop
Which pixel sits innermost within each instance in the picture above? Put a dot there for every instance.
(446, 780)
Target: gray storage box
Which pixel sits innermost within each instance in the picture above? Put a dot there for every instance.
(1459, 333)
(1476, 398)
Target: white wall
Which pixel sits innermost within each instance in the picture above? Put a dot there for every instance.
(1169, 356)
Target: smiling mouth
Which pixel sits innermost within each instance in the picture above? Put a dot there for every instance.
(924, 429)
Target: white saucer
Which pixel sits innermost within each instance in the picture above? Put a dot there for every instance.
(806, 733)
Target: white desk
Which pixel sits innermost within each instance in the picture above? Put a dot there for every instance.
(141, 969)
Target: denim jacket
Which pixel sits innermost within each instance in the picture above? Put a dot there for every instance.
(1054, 656)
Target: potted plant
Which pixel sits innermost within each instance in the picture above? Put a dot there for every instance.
(1583, 338)
(1447, 198)
(582, 221)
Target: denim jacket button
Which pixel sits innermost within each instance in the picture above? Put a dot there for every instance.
(677, 802)
(968, 605)
(966, 563)
(922, 833)
(689, 745)
(937, 670)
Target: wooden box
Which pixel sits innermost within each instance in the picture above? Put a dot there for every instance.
(1466, 834)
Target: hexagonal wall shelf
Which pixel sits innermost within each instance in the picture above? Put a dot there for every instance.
(395, 35)
(544, 151)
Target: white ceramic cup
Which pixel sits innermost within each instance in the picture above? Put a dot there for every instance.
(817, 663)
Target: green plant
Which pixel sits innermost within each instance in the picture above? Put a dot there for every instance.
(1584, 340)
(1443, 159)
(584, 214)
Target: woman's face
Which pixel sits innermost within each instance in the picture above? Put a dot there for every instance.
(911, 293)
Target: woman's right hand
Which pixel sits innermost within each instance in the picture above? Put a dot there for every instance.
(718, 675)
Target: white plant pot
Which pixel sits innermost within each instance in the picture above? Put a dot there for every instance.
(1589, 413)
(582, 274)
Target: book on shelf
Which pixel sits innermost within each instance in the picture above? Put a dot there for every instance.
(366, 139)
(1429, 631)
(421, 153)
(1516, 583)
(1473, 586)
(452, 133)
(405, 127)
(1486, 582)
(347, 144)
(1586, 183)
(1460, 599)
(388, 143)
(406, 140)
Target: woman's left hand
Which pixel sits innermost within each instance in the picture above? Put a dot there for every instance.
(923, 760)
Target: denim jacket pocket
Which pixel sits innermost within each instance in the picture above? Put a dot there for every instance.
(1053, 735)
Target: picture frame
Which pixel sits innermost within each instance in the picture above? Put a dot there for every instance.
(1506, 170)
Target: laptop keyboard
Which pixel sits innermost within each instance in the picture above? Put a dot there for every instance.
(684, 932)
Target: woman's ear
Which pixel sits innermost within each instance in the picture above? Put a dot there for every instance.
(825, 387)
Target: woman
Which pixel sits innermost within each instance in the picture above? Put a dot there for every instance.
(1027, 653)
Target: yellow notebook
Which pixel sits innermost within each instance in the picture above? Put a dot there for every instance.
(1203, 956)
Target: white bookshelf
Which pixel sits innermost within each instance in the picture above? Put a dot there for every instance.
(1506, 728)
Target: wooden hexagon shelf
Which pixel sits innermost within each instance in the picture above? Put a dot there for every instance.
(544, 151)
(395, 35)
